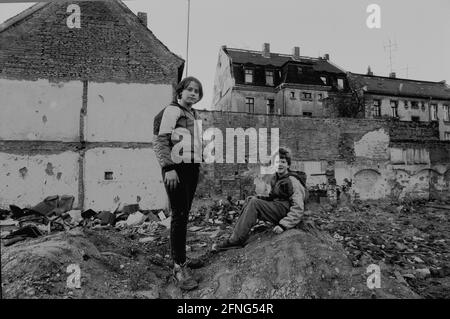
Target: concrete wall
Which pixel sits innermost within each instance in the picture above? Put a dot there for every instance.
(41, 153)
(40, 110)
(27, 179)
(136, 178)
(124, 112)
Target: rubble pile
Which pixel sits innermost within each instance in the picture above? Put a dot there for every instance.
(54, 214)
(412, 238)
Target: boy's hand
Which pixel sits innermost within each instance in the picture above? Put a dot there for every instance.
(277, 230)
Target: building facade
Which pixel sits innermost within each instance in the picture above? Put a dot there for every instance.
(77, 101)
(263, 82)
(405, 100)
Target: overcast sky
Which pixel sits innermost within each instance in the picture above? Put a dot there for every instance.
(421, 30)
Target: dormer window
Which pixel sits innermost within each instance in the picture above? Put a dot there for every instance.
(269, 78)
(248, 76)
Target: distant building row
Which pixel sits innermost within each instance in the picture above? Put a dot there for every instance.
(273, 83)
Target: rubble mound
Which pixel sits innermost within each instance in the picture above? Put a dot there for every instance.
(39, 268)
(295, 264)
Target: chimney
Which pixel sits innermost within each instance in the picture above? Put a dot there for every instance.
(296, 53)
(369, 71)
(142, 16)
(326, 56)
(392, 75)
(266, 50)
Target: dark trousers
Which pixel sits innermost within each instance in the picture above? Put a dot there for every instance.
(180, 203)
(254, 209)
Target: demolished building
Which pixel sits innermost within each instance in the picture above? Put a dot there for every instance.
(77, 105)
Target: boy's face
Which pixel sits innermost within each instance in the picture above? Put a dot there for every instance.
(281, 165)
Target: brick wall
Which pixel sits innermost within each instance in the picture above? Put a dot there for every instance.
(310, 139)
(111, 45)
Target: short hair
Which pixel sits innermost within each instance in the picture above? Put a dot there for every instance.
(283, 153)
(184, 84)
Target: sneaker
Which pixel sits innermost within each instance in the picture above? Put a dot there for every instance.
(226, 245)
(184, 277)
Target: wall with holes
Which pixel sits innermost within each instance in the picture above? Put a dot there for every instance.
(116, 176)
(27, 179)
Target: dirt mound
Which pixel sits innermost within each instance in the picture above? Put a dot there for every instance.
(38, 268)
(295, 264)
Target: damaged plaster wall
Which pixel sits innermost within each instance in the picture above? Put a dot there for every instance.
(126, 176)
(40, 110)
(373, 158)
(124, 112)
(28, 179)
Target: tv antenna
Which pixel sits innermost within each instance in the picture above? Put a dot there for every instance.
(391, 47)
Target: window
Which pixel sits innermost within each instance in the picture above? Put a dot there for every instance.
(307, 113)
(433, 112)
(270, 106)
(299, 70)
(250, 103)
(446, 113)
(340, 84)
(447, 136)
(269, 78)
(406, 104)
(292, 95)
(109, 176)
(324, 79)
(307, 96)
(394, 107)
(319, 97)
(414, 105)
(248, 76)
(376, 108)
(415, 118)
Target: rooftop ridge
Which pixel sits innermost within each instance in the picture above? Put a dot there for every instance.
(279, 54)
(402, 79)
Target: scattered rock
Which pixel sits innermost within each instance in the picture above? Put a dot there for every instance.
(135, 219)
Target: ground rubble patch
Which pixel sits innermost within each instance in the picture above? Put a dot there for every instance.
(295, 264)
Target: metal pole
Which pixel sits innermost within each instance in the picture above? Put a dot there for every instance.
(187, 38)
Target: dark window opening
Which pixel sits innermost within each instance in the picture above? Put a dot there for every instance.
(270, 106)
(415, 118)
(307, 113)
(109, 176)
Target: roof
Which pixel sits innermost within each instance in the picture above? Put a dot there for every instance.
(278, 60)
(112, 45)
(401, 87)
